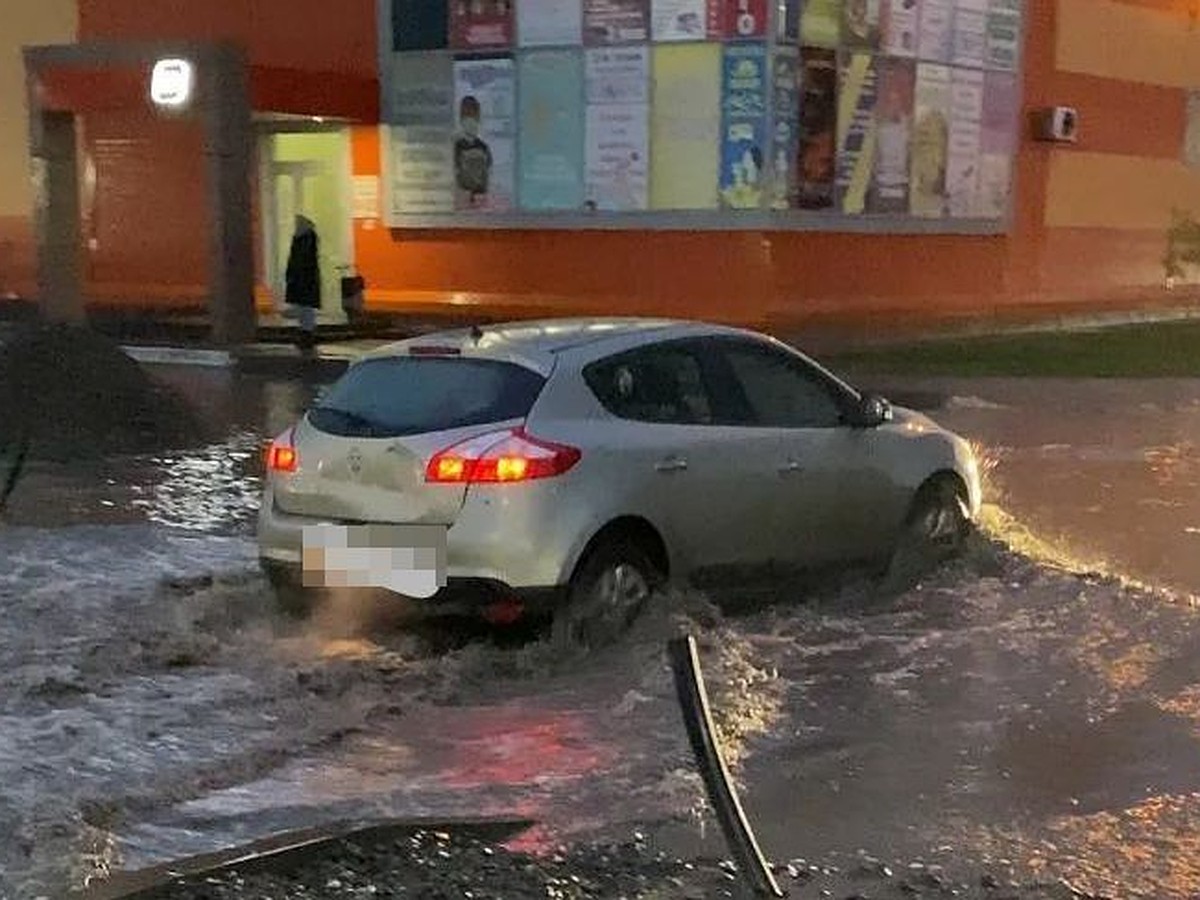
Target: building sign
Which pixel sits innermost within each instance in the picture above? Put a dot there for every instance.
(172, 82)
(481, 24)
(615, 21)
(744, 93)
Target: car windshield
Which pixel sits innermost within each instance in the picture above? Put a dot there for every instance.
(400, 396)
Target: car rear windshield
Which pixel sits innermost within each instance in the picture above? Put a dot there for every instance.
(400, 396)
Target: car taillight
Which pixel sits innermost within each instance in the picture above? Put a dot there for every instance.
(281, 455)
(500, 457)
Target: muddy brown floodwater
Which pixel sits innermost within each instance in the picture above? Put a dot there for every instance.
(1027, 711)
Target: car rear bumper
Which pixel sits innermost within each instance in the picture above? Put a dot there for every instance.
(460, 596)
(524, 541)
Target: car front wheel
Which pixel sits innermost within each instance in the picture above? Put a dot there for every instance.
(607, 593)
(934, 531)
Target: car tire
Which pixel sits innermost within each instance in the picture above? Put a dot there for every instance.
(934, 531)
(607, 593)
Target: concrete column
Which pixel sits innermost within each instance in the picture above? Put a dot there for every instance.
(52, 151)
(228, 144)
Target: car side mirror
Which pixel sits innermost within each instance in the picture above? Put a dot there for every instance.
(873, 411)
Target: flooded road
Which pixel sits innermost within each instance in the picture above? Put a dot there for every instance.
(1010, 712)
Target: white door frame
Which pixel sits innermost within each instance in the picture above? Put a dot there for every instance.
(331, 306)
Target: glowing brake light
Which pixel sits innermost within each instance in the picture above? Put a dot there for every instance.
(500, 457)
(282, 455)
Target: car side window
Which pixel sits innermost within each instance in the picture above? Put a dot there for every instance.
(777, 391)
(663, 383)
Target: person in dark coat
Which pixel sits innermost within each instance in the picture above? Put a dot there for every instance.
(303, 289)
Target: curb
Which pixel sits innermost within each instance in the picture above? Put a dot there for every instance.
(287, 849)
(179, 356)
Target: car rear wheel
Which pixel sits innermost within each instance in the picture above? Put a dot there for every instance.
(935, 531)
(607, 593)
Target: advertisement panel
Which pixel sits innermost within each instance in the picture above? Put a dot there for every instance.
(998, 143)
(898, 27)
(743, 125)
(420, 25)
(549, 23)
(615, 22)
(481, 24)
(935, 42)
(817, 163)
(679, 20)
(484, 140)
(685, 135)
(1004, 34)
(738, 19)
(856, 132)
(550, 173)
(860, 24)
(617, 157)
(419, 161)
(930, 141)
(785, 138)
(617, 74)
(970, 33)
(821, 23)
(894, 114)
(966, 122)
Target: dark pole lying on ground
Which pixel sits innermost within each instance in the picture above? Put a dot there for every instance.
(693, 701)
(14, 472)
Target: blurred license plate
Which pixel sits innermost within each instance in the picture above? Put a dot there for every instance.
(406, 559)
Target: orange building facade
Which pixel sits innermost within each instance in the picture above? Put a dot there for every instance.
(1089, 222)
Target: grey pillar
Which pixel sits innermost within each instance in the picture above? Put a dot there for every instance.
(228, 142)
(56, 212)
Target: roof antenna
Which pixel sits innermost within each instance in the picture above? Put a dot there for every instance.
(476, 333)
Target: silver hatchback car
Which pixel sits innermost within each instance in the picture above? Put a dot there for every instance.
(574, 466)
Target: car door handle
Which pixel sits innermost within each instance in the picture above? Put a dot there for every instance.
(790, 467)
(671, 464)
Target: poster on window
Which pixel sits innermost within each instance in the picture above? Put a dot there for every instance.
(860, 24)
(997, 143)
(935, 40)
(549, 23)
(821, 23)
(679, 20)
(737, 20)
(420, 25)
(615, 22)
(970, 32)
(617, 74)
(1003, 34)
(481, 24)
(685, 134)
(785, 102)
(898, 21)
(744, 81)
(816, 163)
(966, 123)
(617, 157)
(419, 162)
(484, 144)
(550, 164)
(930, 141)
(856, 132)
(893, 117)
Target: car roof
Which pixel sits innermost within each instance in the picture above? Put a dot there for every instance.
(535, 343)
